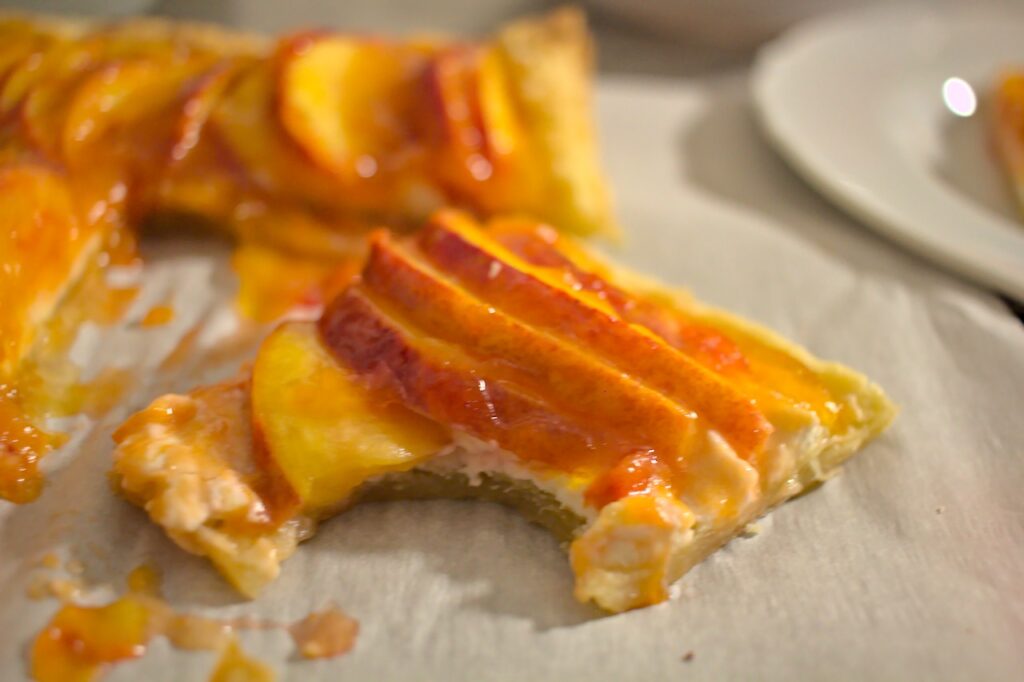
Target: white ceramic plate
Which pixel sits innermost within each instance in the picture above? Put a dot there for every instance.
(855, 102)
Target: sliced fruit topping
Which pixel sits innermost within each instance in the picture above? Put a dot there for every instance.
(41, 89)
(574, 381)
(542, 246)
(199, 98)
(43, 83)
(32, 67)
(448, 384)
(479, 146)
(541, 297)
(315, 422)
(779, 382)
(636, 474)
(245, 120)
(132, 100)
(346, 101)
(18, 45)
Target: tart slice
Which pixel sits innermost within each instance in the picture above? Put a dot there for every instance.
(1008, 130)
(503, 363)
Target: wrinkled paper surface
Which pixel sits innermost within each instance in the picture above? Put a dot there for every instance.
(908, 565)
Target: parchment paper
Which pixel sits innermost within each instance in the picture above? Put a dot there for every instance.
(909, 565)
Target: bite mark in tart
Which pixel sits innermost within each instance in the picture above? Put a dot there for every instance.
(503, 363)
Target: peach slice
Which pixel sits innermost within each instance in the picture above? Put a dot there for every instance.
(483, 266)
(344, 101)
(200, 94)
(196, 177)
(542, 246)
(42, 83)
(16, 46)
(244, 120)
(37, 92)
(449, 385)
(23, 73)
(577, 382)
(117, 97)
(478, 139)
(503, 128)
(775, 379)
(457, 132)
(320, 426)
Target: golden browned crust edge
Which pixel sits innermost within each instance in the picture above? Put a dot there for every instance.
(873, 409)
(550, 60)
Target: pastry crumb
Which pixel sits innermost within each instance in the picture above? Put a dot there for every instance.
(939, 510)
(688, 656)
(751, 529)
(64, 589)
(38, 588)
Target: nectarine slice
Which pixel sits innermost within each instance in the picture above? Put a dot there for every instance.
(199, 96)
(479, 147)
(245, 120)
(444, 382)
(543, 247)
(531, 294)
(320, 426)
(342, 100)
(15, 47)
(773, 378)
(54, 67)
(133, 97)
(576, 381)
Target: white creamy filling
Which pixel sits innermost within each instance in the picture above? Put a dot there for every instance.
(720, 485)
(791, 452)
(472, 457)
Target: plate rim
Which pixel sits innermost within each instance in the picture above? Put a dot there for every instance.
(773, 66)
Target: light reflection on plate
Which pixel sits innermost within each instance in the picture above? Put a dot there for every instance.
(959, 97)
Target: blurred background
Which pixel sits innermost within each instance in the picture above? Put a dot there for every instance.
(658, 37)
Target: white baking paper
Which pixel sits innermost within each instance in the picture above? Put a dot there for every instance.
(909, 565)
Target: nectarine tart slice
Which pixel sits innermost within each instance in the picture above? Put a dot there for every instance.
(1008, 130)
(502, 362)
(296, 146)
